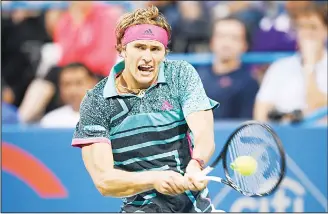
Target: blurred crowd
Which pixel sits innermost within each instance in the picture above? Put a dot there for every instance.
(50, 57)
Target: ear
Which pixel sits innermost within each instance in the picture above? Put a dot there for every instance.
(123, 54)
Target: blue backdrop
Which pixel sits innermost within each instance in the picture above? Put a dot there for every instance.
(43, 173)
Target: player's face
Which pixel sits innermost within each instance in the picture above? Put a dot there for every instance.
(74, 82)
(228, 40)
(311, 27)
(142, 59)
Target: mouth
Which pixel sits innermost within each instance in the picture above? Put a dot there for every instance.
(145, 70)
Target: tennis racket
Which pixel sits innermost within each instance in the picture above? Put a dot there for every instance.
(259, 141)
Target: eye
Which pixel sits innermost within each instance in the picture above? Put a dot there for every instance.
(155, 49)
(140, 47)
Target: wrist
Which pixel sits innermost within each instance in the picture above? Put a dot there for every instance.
(150, 178)
(198, 163)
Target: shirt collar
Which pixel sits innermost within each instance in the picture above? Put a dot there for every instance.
(110, 89)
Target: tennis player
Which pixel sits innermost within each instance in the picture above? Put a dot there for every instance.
(146, 130)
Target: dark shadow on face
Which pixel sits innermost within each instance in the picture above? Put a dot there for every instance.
(73, 84)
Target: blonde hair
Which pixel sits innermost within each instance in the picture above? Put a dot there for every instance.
(149, 15)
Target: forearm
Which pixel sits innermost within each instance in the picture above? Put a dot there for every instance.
(99, 162)
(314, 97)
(37, 97)
(204, 145)
(318, 102)
(201, 125)
(119, 183)
(261, 111)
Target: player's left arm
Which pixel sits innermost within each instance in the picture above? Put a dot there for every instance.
(201, 124)
(197, 108)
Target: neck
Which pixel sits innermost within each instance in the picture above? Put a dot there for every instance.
(129, 82)
(126, 82)
(76, 108)
(225, 67)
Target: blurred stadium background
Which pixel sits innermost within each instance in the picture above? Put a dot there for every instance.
(248, 53)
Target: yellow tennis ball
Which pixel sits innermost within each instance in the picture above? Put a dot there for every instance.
(245, 165)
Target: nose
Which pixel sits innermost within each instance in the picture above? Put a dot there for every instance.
(147, 56)
(147, 61)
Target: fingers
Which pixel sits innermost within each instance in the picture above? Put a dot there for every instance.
(172, 183)
(191, 185)
(177, 185)
(166, 189)
(195, 184)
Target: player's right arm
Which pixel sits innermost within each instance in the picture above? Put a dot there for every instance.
(92, 134)
(98, 160)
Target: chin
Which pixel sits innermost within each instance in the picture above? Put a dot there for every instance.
(226, 58)
(145, 81)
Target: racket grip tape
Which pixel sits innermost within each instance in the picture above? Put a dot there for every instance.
(207, 170)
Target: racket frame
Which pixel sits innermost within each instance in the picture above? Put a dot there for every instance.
(223, 156)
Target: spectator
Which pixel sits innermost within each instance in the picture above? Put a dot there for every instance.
(250, 12)
(74, 80)
(23, 33)
(228, 80)
(85, 34)
(190, 33)
(299, 82)
(9, 113)
(277, 27)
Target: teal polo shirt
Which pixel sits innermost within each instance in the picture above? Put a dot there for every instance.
(148, 132)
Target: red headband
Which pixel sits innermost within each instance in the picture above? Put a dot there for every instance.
(145, 32)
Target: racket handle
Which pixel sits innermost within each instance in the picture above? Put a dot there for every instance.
(207, 170)
(213, 178)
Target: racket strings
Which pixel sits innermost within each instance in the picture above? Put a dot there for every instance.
(264, 150)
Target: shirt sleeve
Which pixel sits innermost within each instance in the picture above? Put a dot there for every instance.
(93, 126)
(192, 95)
